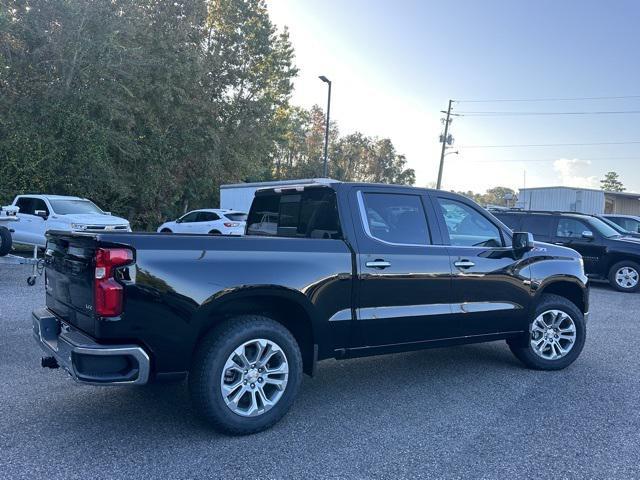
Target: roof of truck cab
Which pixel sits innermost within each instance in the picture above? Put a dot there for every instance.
(303, 184)
(51, 197)
(278, 183)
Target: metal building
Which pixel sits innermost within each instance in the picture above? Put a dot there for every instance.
(582, 200)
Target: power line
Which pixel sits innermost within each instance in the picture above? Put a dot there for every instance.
(566, 99)
(633, 142)
(523, 114)
(529, 160)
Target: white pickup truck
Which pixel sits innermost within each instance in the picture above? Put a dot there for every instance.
(40, 213)
(8, 216)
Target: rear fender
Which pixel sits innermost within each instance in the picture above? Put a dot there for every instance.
(287, 306)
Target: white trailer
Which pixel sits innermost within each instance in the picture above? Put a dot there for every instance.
(239, 196)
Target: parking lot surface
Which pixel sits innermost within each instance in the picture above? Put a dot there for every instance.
(462, 412)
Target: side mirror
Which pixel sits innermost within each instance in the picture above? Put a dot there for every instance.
(587, 235)
(107, 213)
(179, 220)
(41, 213)
(522, 241)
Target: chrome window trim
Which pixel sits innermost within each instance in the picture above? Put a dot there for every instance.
(365, 222)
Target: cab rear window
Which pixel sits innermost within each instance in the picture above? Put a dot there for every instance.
(311, 213)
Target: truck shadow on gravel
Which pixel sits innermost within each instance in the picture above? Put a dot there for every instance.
(381, 386)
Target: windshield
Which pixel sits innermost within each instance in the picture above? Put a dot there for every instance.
(614, 225)
(630, 224)
(604, 229)
(236, 216)
(70, 207)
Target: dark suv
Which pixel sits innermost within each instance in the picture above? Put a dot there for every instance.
(606, 253)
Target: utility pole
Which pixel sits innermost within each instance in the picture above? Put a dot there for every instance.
(444, 144)
(326, 131)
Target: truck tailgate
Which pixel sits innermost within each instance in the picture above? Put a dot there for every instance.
(69, 272)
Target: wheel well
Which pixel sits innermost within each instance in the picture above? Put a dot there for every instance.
(165, 230)
(616, 258)
(288, 312)
(214, 232)
(568, 290)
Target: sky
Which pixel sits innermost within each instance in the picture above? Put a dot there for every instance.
(395, 65)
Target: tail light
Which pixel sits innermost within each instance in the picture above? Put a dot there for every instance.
(108, 292)
(229, 224)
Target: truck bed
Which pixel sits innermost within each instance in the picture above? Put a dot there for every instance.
(177, 282)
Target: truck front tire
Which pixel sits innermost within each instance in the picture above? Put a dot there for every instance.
(5, 241)
(245, 374)
(556, 336)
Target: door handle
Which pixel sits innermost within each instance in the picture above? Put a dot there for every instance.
(378, 263)
(464, 264)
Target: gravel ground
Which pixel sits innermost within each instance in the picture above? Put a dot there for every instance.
(462, 412)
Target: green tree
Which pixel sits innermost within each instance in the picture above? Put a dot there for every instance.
(498, 195)
(143, 105)
(147, 106)
(354, 157)
(492, 196)
(612, 183)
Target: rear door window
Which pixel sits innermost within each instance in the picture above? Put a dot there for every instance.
(538, 225)
(510, 220)
(207, 217)
(571, 228)
(395, 218)
(312, 213)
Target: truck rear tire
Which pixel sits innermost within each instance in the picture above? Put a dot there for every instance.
(5, 241)
(556, 336)
(624, 276)
(245, 374)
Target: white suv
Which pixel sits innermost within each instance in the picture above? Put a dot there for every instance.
(208, 221)
(40, 213)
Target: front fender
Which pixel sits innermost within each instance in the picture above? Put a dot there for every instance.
(558, 266)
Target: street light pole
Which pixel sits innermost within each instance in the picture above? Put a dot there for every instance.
(444, 145)
(326, 130)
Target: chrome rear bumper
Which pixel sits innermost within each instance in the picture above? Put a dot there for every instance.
(86, 360)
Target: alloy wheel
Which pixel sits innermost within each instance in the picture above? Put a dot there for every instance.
(553, 334)
(254, 377)
(627, 277)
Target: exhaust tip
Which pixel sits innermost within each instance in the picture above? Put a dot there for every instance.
(49, 362)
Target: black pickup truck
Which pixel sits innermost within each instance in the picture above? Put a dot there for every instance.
(324, 271)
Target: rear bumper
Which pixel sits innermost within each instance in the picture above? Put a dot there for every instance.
(86, 360)
(236, 232)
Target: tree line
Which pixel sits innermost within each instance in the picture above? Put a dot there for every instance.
(147, 106)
